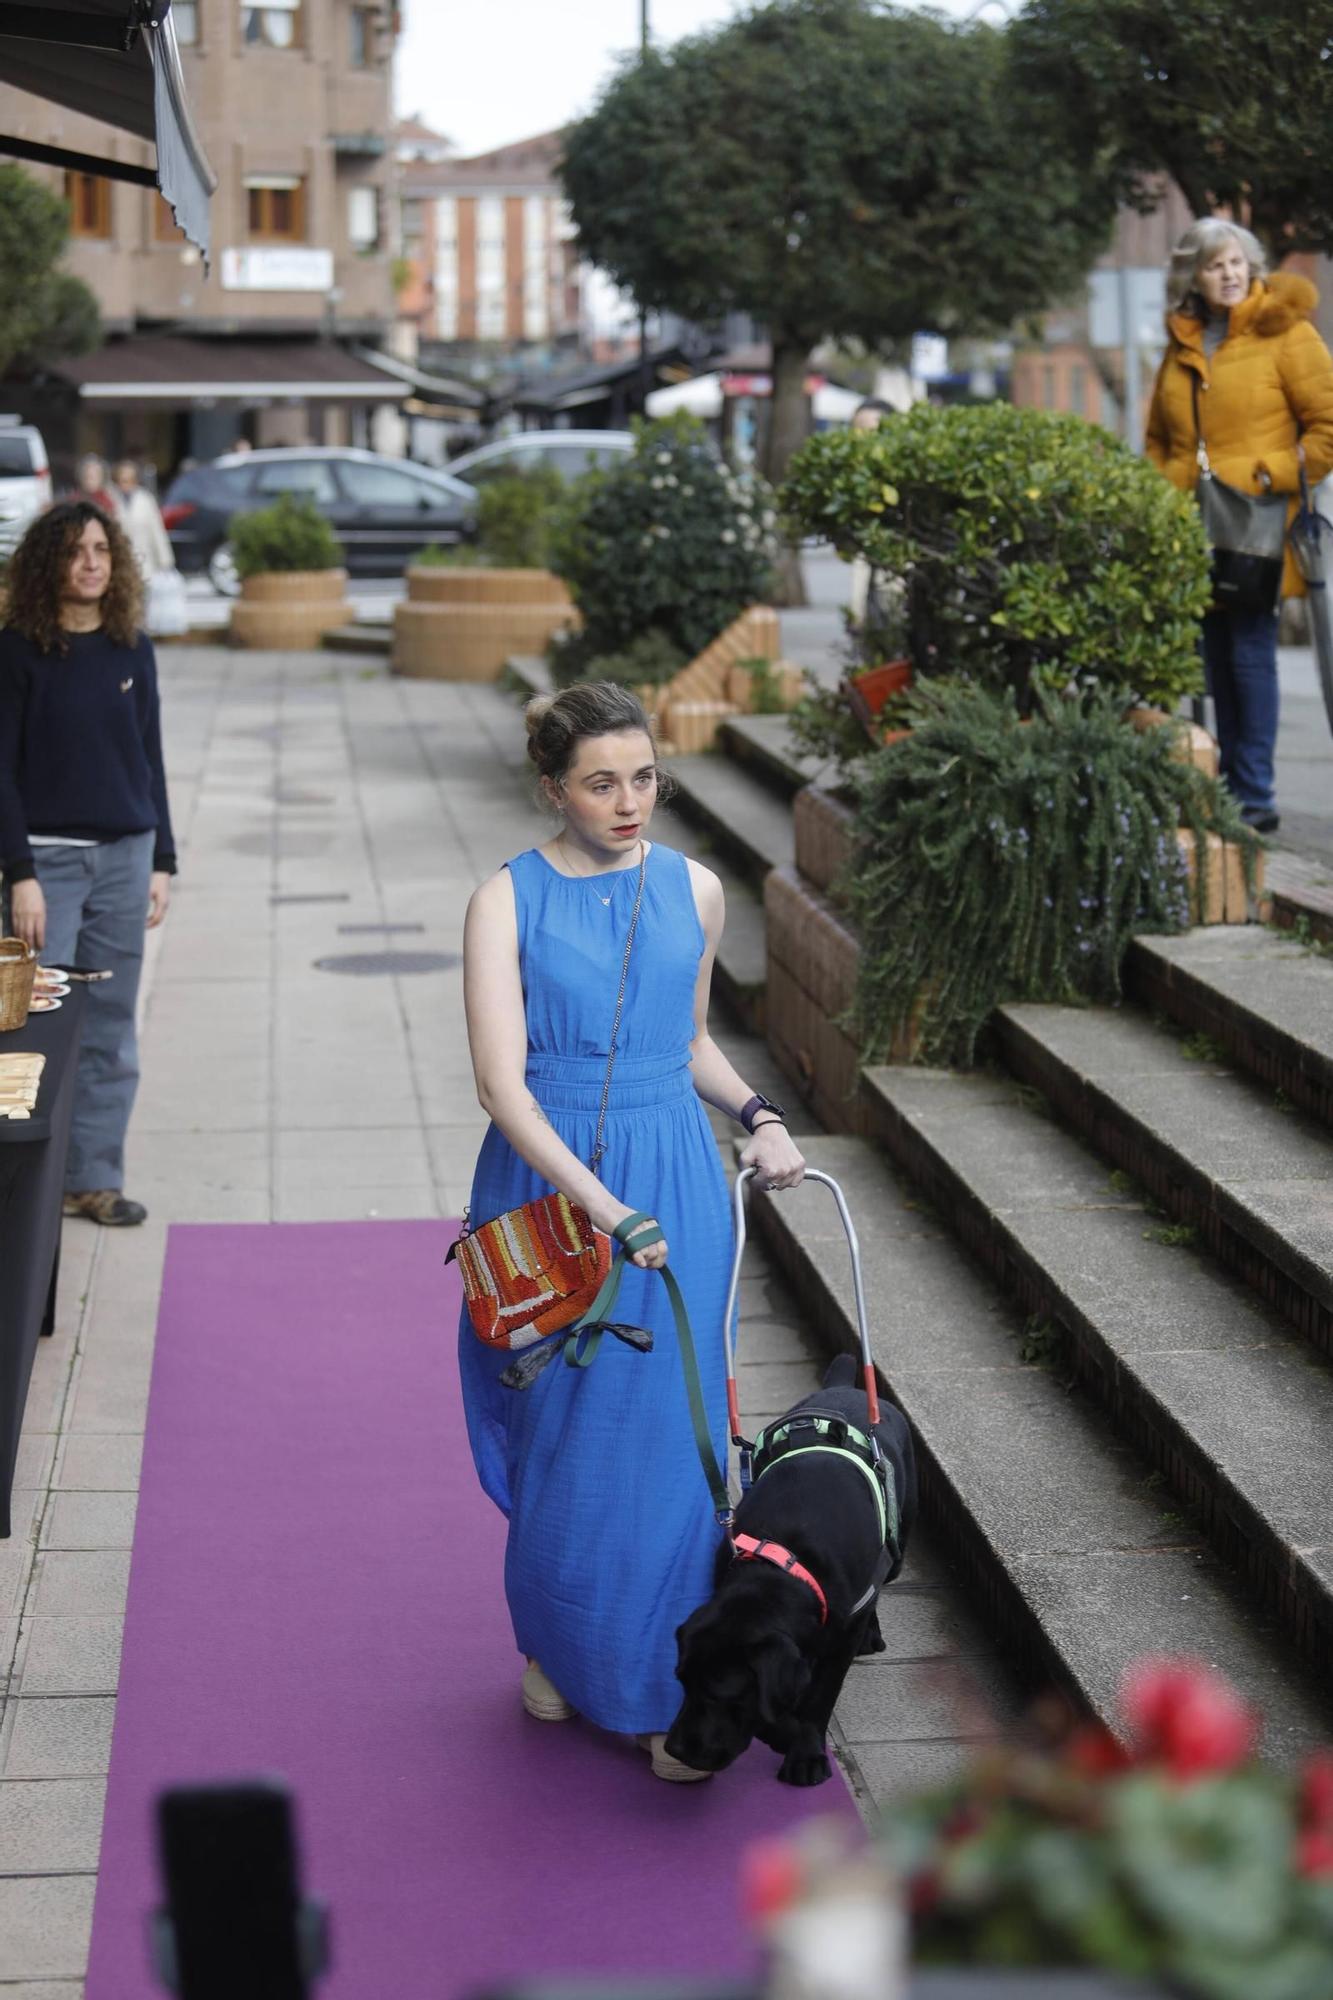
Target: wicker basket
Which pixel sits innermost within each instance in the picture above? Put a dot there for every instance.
(18, 967)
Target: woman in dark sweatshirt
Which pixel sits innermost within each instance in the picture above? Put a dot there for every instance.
(85, 832)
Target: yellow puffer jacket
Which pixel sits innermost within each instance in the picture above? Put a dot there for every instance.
(1268, 388)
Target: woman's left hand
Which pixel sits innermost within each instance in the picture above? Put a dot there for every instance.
(775, 1157)
(159, 895)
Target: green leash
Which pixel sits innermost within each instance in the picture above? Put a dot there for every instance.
(582, 1342)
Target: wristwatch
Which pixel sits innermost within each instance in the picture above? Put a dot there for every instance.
(754, 1105)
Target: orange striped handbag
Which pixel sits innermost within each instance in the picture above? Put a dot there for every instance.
(538, 1268)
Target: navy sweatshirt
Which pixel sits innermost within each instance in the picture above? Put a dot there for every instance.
(80, 747)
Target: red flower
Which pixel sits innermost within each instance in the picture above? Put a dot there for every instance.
(1187, 1718)
(1314, 1852)
(1093, 1752)
(1317, 1792)
(770, 1878)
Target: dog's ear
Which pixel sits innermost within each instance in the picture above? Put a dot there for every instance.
(781, 1677)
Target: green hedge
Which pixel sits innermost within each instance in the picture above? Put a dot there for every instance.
(1035, 550)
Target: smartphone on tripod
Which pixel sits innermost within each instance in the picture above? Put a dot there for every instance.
(235, 1925)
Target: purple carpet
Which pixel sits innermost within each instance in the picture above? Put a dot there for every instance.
(316, 1592)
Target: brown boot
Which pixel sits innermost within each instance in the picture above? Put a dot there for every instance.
(106, 1205)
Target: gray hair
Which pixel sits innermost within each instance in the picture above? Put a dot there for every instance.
(1202, 240)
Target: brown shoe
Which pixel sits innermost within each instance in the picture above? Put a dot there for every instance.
(106, 1205)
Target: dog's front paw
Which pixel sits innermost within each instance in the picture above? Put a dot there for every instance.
(805, 1767)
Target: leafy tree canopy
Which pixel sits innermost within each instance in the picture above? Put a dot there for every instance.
(834, 167)
(1234, 103)
(43, 312)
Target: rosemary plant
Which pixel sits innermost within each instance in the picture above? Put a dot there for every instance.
(1005, 859)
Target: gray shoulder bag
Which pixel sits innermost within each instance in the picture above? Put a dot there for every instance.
(1247, 533)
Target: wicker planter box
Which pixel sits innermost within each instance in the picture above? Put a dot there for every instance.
(290, 610)
(693, 704)
(463, 624)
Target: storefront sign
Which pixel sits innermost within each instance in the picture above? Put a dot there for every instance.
(276, 267)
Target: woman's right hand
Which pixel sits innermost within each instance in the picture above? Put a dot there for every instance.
(28, 912)
(651, 1259)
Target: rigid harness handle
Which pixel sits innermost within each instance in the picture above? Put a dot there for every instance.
(858, 1291)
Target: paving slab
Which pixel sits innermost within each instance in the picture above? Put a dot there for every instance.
(72, 1655)
(45, 1926)
(50, 1827)
(58, 1736)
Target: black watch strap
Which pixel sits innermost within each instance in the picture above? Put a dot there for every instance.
(754, 1105)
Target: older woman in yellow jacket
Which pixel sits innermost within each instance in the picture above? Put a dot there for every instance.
(1265, 381)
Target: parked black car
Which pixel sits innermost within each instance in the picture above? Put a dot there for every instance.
(384, 511)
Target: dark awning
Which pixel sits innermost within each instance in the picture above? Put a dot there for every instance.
(115, 60)
(174, 370)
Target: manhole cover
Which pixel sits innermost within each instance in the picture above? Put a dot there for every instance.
(377, 930)
(365, 964)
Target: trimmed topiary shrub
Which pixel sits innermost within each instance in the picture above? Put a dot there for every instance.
(290, 535)
(1035, 550)
(1006, 859)
(667, 541)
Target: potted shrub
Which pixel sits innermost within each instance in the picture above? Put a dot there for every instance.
(293, 586)
(467, 611)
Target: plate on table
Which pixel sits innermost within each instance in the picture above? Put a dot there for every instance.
(53, 992)
(43, 1003)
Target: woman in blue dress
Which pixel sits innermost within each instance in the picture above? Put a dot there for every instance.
(612, 1535)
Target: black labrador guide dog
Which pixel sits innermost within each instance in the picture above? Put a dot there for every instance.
(794, 1591)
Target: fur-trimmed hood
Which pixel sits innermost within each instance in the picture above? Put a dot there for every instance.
(1274, 305)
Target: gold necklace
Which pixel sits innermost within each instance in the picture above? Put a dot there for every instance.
(593, 873)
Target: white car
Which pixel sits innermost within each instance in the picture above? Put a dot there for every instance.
(569, 453)
(25, 481)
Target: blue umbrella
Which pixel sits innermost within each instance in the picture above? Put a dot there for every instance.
(1311, 537)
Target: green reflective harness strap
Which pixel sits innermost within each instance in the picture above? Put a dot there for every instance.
(886, 1498)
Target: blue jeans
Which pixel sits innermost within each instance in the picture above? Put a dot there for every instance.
(1240, 659)
(96, 912)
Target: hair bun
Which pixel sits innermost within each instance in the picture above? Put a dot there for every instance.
(535, 712)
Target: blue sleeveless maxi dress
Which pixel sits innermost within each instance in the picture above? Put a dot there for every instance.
(611, 1530)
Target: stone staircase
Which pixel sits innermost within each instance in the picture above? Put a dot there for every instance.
(1101, 1283)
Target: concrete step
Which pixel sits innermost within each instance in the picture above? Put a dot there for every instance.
(1062, 1526)
(1248, 1174)
(763, 745)
(1301, 891)
(527, 674)
(361, 636)
(1263, 1000)
(745, 821)
(1233, 1409)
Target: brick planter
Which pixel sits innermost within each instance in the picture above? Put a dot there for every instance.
(463, 624)
(823, 829)
(290, 610)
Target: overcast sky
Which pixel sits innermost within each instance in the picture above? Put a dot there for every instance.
(506, 69)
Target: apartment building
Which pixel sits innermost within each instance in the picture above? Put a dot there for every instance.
(292, 102)
(489, 261)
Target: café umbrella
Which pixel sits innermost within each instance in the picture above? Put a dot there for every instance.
(1311, 537)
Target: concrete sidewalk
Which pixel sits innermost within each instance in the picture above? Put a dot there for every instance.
(326, 813)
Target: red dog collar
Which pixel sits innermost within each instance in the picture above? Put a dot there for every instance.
(749, 1550)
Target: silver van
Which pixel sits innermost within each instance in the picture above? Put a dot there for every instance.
(25, 480)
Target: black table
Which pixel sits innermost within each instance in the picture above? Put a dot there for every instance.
(32, 1185)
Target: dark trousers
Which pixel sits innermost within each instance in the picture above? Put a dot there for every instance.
(1240, 659)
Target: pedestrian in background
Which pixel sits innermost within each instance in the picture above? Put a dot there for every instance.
(141, 518)
(85, 829)
(93, 484)
(1264, 396)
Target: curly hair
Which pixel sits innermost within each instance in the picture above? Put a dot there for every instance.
(37, 572)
